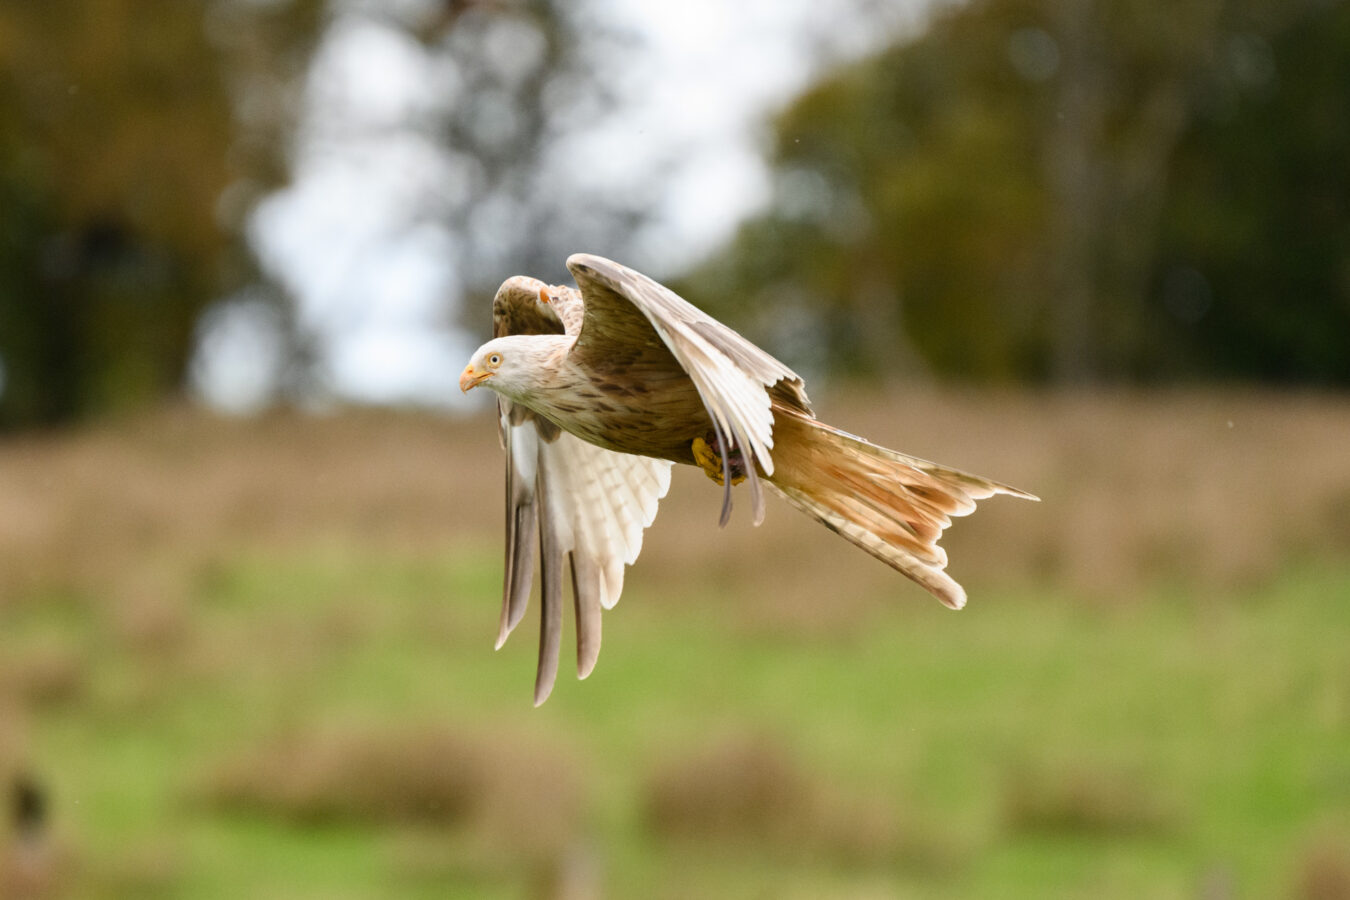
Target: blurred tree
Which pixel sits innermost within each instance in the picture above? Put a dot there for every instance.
(524, 83)
(480, 157)
(1254, 267)
(133, 136)
(1004, 196)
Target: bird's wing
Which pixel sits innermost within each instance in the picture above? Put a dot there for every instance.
(593, 505)
(519, 309)
(733, 377)
(589, 506)
(567, 306)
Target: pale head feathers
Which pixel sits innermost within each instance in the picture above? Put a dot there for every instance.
(518, 366)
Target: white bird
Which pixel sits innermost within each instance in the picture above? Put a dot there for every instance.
(602, 389)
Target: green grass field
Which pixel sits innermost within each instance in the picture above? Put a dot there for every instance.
(299, 711)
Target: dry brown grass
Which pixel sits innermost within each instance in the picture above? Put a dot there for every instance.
(76, 509)
(1210, 489)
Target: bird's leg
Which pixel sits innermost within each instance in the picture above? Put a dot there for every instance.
(711, 463)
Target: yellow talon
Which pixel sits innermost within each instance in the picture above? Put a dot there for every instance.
(710, 462)
(707, 459)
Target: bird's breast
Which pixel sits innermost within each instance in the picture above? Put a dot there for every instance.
(649, 414)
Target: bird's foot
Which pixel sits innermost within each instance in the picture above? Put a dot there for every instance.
(711, 463)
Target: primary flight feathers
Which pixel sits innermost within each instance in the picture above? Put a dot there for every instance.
(601, 388)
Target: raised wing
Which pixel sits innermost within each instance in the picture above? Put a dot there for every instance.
(624, 308)
(518, 308)
(589, 505)
(525, 305)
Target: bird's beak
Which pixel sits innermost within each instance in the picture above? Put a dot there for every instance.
(471, 378)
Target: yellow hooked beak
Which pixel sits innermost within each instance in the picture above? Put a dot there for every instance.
(472, 378)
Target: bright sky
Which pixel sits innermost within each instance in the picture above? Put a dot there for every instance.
(376, 295)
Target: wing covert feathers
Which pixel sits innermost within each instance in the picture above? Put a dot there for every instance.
(731, 374)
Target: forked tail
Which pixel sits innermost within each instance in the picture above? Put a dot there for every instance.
(893, 506)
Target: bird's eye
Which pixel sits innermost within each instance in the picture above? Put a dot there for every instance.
(495, 359)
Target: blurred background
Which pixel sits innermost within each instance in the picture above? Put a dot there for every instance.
(249, 540)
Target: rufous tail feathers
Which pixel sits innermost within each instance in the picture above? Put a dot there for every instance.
(891, 505)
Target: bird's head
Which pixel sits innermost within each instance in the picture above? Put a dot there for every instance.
(510, 365)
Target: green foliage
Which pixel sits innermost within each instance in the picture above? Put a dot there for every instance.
(119, 136)
(1068, 191)
(1253, 262)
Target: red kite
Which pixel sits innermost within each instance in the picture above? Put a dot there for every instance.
(602, 389)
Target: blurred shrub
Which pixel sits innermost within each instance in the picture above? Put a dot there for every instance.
(749, 790)
(1324, 869)
(1083, 799)
(46, 675)
(433, 775)
(741, 788)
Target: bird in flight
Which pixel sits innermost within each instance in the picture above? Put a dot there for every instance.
(603, 387)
